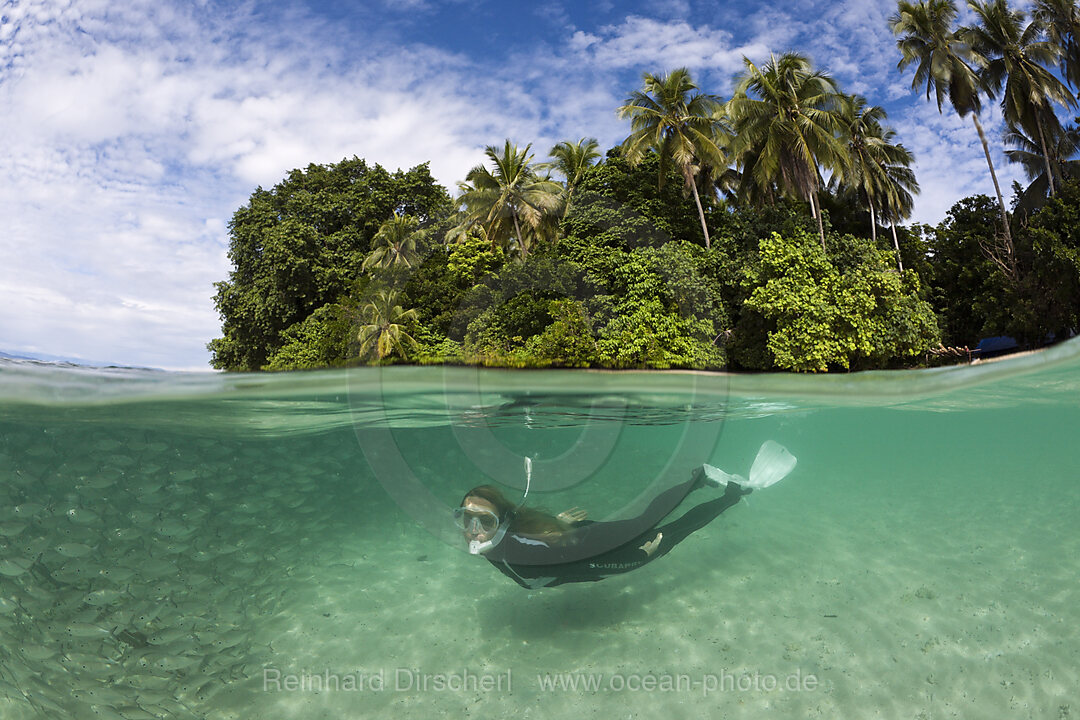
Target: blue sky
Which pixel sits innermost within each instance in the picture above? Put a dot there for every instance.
(132, 130)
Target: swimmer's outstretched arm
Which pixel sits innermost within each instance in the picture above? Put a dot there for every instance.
(573, 516)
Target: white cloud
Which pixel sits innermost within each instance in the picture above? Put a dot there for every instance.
(645, 42)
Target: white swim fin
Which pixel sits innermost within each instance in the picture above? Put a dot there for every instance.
(772, 464)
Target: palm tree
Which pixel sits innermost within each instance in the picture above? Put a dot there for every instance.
(1061, 19)
(1028, 153)
(667, 116)
(866, 156)
(1014, 60)
(928, 41)
(382, 329)
(571, 160)
(788, 130)
(395, 244)
(511, 200)
(898, 203)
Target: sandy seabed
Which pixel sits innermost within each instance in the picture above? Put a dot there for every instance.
(799, 604)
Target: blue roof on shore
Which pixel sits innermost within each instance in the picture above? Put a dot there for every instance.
(996, 344)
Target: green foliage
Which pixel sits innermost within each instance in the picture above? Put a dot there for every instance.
(515, 306)
(320, 340)
(436, 293)
(435, 349)
(648, 335)
(607, 269)
(618, 205)
(1049, 257)
(394, 245)
(977, 297)
(472, 258)
(825, 316)
(661, 311)
(498, 335)
(383, 330)
(967, 289)
(300, 246)
(627, 284)
(567, 341)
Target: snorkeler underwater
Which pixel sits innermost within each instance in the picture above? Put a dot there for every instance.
(537, 549)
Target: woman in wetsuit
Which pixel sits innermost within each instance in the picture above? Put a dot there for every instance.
(536, 549)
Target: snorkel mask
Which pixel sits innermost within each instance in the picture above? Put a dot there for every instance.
(488, 521)
(476, 547)
(477, 522)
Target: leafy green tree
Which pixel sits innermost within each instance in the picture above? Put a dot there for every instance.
(321, 339)
(472, 258)
(568, 341)
(621, 205)
(787, 119)
(511, 202)
(1014, 60)
(858, 314)
(300, 246)
(645, 324)
(382, 329)
(681, 126)
(967, 288)
(433, 348)
(928, 41)
(394, 244)
(1047, 300)
(506, 310)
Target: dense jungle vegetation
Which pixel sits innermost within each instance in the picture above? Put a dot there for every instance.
(758, 233)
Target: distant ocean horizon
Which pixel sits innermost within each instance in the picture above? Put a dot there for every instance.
(68, 359)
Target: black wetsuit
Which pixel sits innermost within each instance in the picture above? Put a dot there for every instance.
(597, 550)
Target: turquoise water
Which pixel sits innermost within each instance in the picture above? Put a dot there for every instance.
(211, 546)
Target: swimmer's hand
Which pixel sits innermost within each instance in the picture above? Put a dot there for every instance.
(651, 546)
(572, 516)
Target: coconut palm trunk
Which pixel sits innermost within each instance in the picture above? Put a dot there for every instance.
(815, 212)
(697, 201)
(997, 187)
(521, 240)
(1046, 156)
(873, 221)
(896, 244)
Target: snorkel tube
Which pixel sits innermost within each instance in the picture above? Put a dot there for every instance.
(475, 546)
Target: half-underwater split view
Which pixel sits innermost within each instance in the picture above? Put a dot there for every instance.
(655, 359)
(237, 546)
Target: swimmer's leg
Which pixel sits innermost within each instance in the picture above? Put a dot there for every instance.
(698, 517)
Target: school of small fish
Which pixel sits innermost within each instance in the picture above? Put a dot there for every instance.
(134, 572)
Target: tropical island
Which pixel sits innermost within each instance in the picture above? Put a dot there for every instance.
(762, 232)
